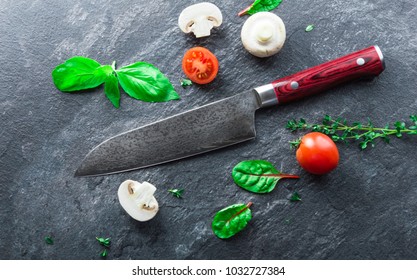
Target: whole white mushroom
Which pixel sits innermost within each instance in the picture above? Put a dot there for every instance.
(200, 19)
(263, 34)
(137, 200)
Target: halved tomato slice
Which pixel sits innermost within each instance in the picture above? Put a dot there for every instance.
(200, 65)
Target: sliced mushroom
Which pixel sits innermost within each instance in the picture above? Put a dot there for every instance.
(137, 200)
(200, 19)
(263, 34)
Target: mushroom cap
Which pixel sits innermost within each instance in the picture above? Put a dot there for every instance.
(200, 19)
(263, 34)
(137, 200)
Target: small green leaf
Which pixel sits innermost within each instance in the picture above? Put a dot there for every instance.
(292, 125)
(326, 119)
(49, 240)
(78, 73)
(176, 192)
(145, 82)
(309, 27)
(186, 82)
(104, 241)
(295, 143)
(295, 197)
(103, 253)
(111, 89)
(363, 145)
(258, 176)
(231, 220)
(260, 6)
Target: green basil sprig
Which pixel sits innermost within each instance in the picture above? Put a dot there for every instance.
(260, 6)
(231, 220)
(258, 176)
(140, 80)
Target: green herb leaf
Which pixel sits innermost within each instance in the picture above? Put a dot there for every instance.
(111, 89)
(104, 241)
(49, 240)
(176, 192)
(258, 176)
(145, 82)
(79, 73)
(186, 82)
(231, 220)
(103, 253)
(309, 27)
(295, 197)
(260, 6)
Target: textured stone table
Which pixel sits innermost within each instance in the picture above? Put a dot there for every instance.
(365, 209)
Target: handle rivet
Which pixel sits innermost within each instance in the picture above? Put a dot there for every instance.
(294, 85)
(360, 61)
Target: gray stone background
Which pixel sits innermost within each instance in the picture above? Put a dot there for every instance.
(365, 209)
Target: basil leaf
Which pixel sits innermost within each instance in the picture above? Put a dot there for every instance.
(144, 81)
(261, 6)
(79, 73)
(258, 176)
(111, 89)
(230, 220)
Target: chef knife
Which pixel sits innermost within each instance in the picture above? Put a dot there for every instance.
(222, 123)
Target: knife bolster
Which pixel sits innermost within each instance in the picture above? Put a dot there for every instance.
(267, 95)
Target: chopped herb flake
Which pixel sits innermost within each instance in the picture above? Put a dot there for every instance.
(186, 82)
(49, 240)
(103, 253)
(176, 192)
(309, 27)
(295, 197)
(103, 241)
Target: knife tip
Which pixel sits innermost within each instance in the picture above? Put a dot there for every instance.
(78, 173)
(82, 172)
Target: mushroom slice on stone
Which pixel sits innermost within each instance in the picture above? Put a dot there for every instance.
(200, 19)
(137, 200)
(263, 34)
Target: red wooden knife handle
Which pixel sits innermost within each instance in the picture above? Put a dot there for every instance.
(364, 63)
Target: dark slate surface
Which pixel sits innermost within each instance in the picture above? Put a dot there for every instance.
(365, 209)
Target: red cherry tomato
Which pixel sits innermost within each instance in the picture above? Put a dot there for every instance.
(200, 65)
(317, 153)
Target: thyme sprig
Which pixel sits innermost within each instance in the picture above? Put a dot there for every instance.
(340, 131)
